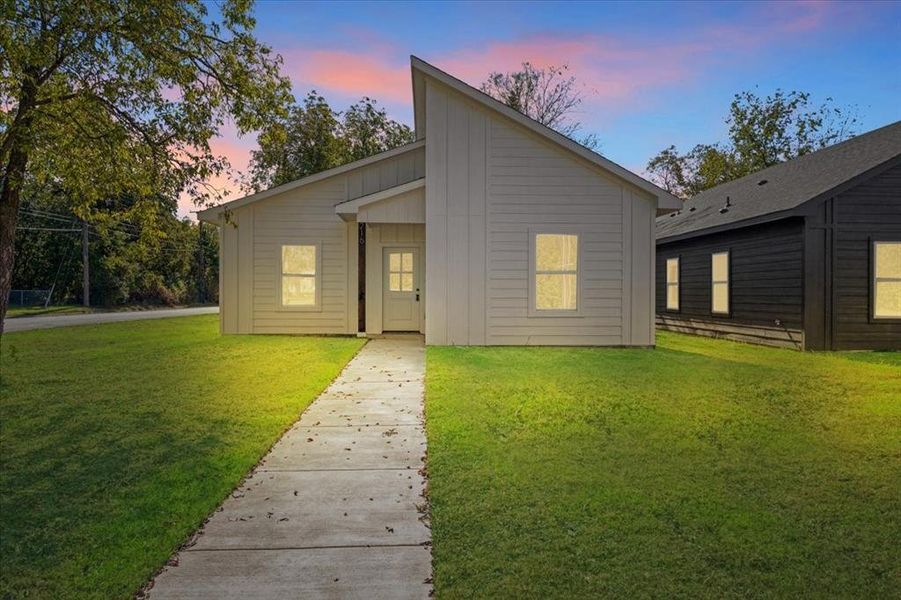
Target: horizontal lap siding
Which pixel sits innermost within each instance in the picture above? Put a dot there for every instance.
(868, 212)
(302, 216)
(766, 277)
(532, 184)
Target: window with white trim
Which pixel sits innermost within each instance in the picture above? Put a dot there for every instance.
(556, 272)
(300, 276)
(887, 280)
(719, 283)
(672, 283)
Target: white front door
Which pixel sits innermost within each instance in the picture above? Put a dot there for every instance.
(401, 295)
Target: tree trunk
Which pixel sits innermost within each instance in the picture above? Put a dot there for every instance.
(10, 192)
(11, 182)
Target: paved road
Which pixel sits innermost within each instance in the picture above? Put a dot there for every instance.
(49, 321)
(333, 511)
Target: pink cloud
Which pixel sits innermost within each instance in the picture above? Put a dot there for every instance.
(617, 71)
(351, 73)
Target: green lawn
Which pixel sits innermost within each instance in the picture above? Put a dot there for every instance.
(15, 312)
(118, 440)
(703, 468)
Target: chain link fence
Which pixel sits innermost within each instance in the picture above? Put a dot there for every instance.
(28, 297)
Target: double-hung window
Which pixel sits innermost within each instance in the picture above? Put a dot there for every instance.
(300, 277)
(672, 283)
(719, 283)
(887, 280)
(556, 272)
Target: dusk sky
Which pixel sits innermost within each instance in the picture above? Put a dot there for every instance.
(654, 74)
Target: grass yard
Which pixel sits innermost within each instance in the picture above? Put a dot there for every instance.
(118, 440)
(15, 312)
(703, 468)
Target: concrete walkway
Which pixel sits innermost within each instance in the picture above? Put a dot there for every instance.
(50, 321)
(333, 511)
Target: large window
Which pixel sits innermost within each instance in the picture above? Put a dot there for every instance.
(719, 283)
(887, 280)
(672, 284)
(556, 272)
(300, 276)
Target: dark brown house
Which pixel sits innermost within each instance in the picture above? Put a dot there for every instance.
(805, 254)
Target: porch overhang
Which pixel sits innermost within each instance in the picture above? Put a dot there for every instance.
(403, 203)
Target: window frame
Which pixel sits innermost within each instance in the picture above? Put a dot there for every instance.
(728, 282)
(579, 272)
(280, 274)
(667, 284)
(872, 283)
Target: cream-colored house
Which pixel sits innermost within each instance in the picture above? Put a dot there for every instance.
(489, 229)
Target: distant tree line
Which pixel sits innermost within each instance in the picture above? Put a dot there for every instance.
(155, 259)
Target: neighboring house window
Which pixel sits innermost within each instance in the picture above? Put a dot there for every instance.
(887, 280)
(556, 271)
(672, 284)
(400, 271)
(719, 283)
(300, 276)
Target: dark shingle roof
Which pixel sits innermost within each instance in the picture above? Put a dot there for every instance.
(788, 184)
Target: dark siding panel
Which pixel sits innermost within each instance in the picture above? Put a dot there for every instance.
(766, 278)
(868, 212)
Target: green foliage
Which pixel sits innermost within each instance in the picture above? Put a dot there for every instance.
(762, 132)
(700, 469)
(313, 138)
(126, 96)
(119, 439)
(140, 254)
(104, 100)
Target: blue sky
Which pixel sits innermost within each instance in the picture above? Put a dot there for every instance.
(654, 73)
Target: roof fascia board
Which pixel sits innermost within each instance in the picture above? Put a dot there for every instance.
(210, 215)
(351, 207)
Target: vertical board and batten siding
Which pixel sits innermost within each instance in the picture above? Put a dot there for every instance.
(766, 284)
(840, 233)
(489, 183)
(455, 219)
(385, 174)
(251, 244)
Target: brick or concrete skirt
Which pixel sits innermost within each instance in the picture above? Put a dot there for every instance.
(333, 511)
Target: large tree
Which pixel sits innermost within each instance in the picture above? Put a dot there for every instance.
(313, 137)
(549, 95)
(762, 132)
(101, 98)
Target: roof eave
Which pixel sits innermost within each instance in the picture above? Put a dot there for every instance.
(211, 215)
(665, 200)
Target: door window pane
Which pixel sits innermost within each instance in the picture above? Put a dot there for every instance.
(400, 271)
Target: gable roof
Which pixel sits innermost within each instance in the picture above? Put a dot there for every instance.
(776, 191)
(420, 68)
(211, 215)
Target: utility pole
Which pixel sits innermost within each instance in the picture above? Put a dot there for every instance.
(86, 267)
